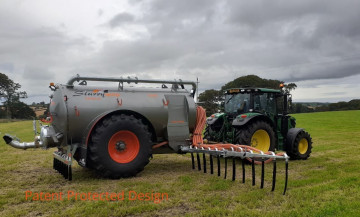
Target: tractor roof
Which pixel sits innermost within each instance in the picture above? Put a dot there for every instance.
(251, 90)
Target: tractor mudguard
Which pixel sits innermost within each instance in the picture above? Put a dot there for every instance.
(245, 118)
(213, 118)
(291, 136)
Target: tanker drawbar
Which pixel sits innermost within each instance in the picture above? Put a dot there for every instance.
(115, 130)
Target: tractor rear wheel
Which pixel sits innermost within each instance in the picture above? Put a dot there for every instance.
(120, 146)
(301, 148)
(258, 134)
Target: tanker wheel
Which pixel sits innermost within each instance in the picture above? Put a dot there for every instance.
(258, 134)
(301, 148)
(120, 147)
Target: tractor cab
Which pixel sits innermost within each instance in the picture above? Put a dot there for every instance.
(259, 100)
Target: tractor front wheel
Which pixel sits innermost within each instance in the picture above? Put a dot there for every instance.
(120, 146)
(301, 148)
(258, 134)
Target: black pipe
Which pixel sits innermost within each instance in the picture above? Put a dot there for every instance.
(253, 171)
(204, 162)
(211, 165)
(198, 161)
(225, 168)
(274, 176)
(192, 161)
(69, 173)
(262, 173)
(234, 169)
(243, 170)
(218, 164)
(286, 175)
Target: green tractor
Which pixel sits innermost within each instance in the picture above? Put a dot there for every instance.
(258, 117)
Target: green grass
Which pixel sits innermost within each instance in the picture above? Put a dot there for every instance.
(327, 184)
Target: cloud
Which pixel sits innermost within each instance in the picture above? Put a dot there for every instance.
(120, 19)
(301, 41)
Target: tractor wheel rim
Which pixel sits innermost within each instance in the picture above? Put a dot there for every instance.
(131, 150)
(261, 140)
(303, 146)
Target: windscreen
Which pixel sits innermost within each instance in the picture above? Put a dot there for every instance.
(237, 103)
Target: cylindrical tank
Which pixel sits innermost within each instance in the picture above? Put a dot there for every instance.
(75, 110)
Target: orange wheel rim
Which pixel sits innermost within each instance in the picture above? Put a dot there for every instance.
(123, 146)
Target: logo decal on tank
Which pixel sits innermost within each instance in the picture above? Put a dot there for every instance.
(95, 93)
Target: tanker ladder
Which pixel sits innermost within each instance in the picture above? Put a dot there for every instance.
(240, 152)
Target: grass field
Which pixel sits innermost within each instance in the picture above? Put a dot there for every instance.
(327, 184)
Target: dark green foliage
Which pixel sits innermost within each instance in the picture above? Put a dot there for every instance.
(211, 101)
(20, 110)
(322, 107)
(2, 112)
(10, 94)
(301, 108)
(252, 81)
(339, 106)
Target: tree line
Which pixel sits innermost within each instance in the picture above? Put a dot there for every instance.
(323, 107)
(10, 96)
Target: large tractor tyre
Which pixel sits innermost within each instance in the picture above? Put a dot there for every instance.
(120, 147)
(301, 148)
(257, 134)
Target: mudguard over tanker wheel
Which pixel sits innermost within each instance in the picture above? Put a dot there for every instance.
(120, 147)
(258, 134)
(301, 147)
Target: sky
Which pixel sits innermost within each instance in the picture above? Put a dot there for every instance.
(315, 44)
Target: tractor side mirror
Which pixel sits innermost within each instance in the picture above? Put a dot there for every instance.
(222, 106)
(290, 103)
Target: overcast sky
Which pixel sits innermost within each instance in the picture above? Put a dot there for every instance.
(315, 44)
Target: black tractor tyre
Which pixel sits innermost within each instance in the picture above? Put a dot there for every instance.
(207, 134)
(301, 148)
(244, 135)
(120, 147)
